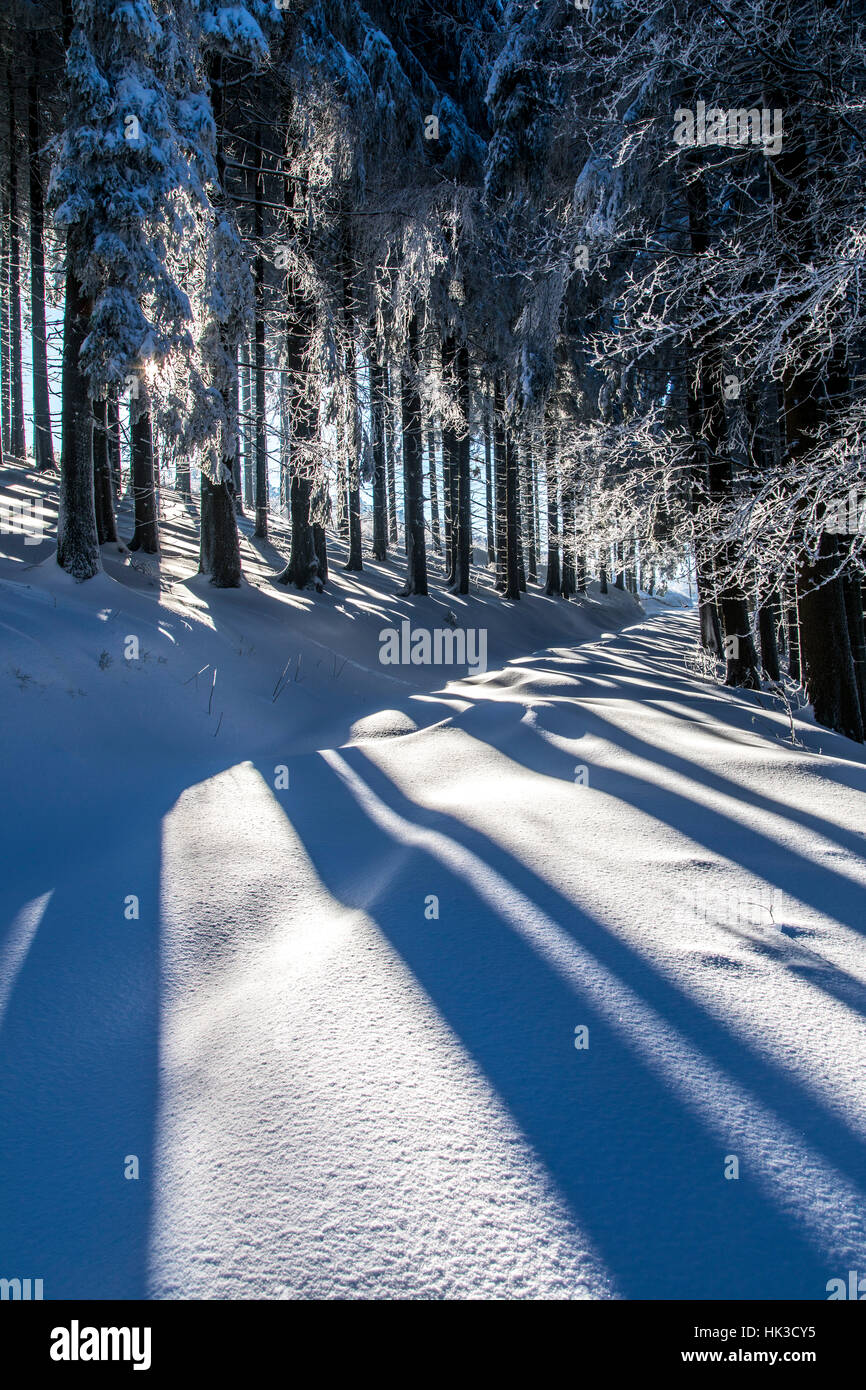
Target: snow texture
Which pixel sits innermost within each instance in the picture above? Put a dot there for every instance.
(332, 1091)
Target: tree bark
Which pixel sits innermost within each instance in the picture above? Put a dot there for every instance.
(512, 519)
(103, 491)
(434, 490)
(43, 444)
(77, 541)
(146, 534)
(247, 428)
(18, 440)
(380, 481)
(553, 582)
(413, 468)
(463, 544)
(388, 426)
(488, 490)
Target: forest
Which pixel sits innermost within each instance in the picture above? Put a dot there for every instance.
(579, 282)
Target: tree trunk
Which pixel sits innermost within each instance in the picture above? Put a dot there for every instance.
(567, 585)
(146, 534)
(768, 621)
(219, 552)
(355, 562)
(18, 440)
(488, 491)
(112, 415)
(829, 676)
(103, 491)
(261, 498)
(529, 512)
(512, 519)
(77, 541)
(43, 445)
(247, 407)
(5, 380)
(388, 425)
(500, 457)
(463, 543)
(434, 491)
(237, 481)
(300, 396)
(553, 582)
(413, 469)
(853, 592)
(380, 480)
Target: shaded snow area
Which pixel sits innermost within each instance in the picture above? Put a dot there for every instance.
(437, 988)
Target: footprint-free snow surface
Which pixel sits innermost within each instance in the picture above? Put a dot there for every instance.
(548, 983)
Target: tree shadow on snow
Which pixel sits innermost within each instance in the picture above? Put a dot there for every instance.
(640, 1169)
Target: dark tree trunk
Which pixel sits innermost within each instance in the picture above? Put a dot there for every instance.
(529, 513)
(602, 580)
(146, 534)
(853, 592)
(512, 519)
(567, 584)
(768, 623)
(303, 569)
(103, 491)
(247, 406)
(353, 426)
(463, 543)
(77, 541)
(828, 666)
(219, 552)
(320, 545)
(553, 583)
(413, 469)
(387, 421)
(342, 490)
(5, 381)
(380, 479)
(500, 456)
(580, 571)
(18, 441)
(353, 438)
(237, 481)
(451, 463)
(112, 415)
(792, 629)
(488, 491)
(448, 471)
(261, 499)
(434, 491)
(43, 445)
(706, 411)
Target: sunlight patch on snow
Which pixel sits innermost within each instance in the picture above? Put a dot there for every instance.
(19, 939)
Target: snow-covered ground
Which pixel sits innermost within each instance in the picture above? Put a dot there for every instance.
(340, 1036)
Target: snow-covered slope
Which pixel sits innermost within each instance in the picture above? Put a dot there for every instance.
(375, 908)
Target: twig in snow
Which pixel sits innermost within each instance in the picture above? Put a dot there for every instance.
(281, 684)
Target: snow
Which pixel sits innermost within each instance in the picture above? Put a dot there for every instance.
(334, 1093)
